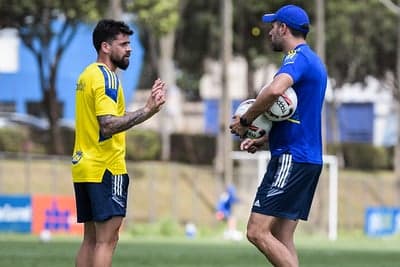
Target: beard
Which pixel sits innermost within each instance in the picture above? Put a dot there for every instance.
(276, 43)
(276, 46)
(121, 63)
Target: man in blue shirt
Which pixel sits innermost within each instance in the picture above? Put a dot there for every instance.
(286, 192)
(225, 212)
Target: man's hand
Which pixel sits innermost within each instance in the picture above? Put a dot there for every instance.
(252, 145)
(237, 128)
(157, 97)
(110, 124)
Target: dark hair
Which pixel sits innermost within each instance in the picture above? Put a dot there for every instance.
(106, 30)
(297, 33)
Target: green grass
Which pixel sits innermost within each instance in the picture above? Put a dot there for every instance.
(24, 251)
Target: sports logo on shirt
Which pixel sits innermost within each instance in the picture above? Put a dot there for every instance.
(77, 157)
(80, 86)
(290, 58)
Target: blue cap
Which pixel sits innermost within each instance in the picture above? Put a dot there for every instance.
(293, 16)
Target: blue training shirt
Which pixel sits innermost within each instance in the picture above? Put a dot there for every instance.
(301, 134)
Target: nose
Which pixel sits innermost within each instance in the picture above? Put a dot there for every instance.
(129, 48)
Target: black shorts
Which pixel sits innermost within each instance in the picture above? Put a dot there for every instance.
(100, 201)
(287, 189)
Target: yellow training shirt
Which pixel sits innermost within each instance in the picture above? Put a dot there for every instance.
(98, 92)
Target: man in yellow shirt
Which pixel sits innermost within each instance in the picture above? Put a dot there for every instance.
(98, 162)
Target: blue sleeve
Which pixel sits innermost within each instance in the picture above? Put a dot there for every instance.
(295, 64)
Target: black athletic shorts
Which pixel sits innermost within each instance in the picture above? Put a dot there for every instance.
(100, 201)
(287, 189)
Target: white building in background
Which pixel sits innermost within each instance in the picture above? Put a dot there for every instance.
(210, 82)
(264, 75)
(9, 50)
(211, 89)
(380, 96)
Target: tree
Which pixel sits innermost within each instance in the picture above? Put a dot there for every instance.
(47, 28)
(224, 161)
(197, 38)
(361, 40)
(159, 19)
(396, 93)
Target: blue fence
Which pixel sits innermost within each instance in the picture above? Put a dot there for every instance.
(15, 214)
(382, 221)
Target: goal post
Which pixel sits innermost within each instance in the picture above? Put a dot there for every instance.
(332, 163)
(262, 158)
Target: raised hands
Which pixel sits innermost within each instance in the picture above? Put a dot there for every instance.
(157, 96)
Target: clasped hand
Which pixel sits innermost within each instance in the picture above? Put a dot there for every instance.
(247, 144)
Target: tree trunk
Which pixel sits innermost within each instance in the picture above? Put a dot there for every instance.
(167, 73)
(251, 90)
(397, 85)
(395, 8)
(224, 161)
(53, 113)
(115, 9)
(153, 54)
(320, 49)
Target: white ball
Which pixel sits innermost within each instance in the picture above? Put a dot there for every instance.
(190, 230)
(260, 126)
(45, 236)
(284, 107)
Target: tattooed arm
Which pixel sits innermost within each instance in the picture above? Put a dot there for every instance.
(110, 124)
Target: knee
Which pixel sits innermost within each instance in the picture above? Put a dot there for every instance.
(110, 243)
(114, 241)
(253, 234)
(259, 236)
(89, 242)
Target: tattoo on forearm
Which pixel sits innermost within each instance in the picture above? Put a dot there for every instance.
(110, 124)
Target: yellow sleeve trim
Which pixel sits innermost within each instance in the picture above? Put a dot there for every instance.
(294, 121)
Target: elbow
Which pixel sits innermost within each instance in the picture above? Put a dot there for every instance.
(271, 91)
(106, 126)
(275, 92)
(105, 131)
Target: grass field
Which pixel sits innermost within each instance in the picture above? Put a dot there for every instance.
(357, 190)
(27, 251)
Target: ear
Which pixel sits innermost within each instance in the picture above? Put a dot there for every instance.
(282, 28)
(105, 47)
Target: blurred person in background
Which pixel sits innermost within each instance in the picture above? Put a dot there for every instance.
(98, 164)
(225, 212)
(287, 189)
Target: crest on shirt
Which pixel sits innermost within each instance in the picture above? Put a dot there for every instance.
(80, 86)
(290, 57)
(77, 157)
